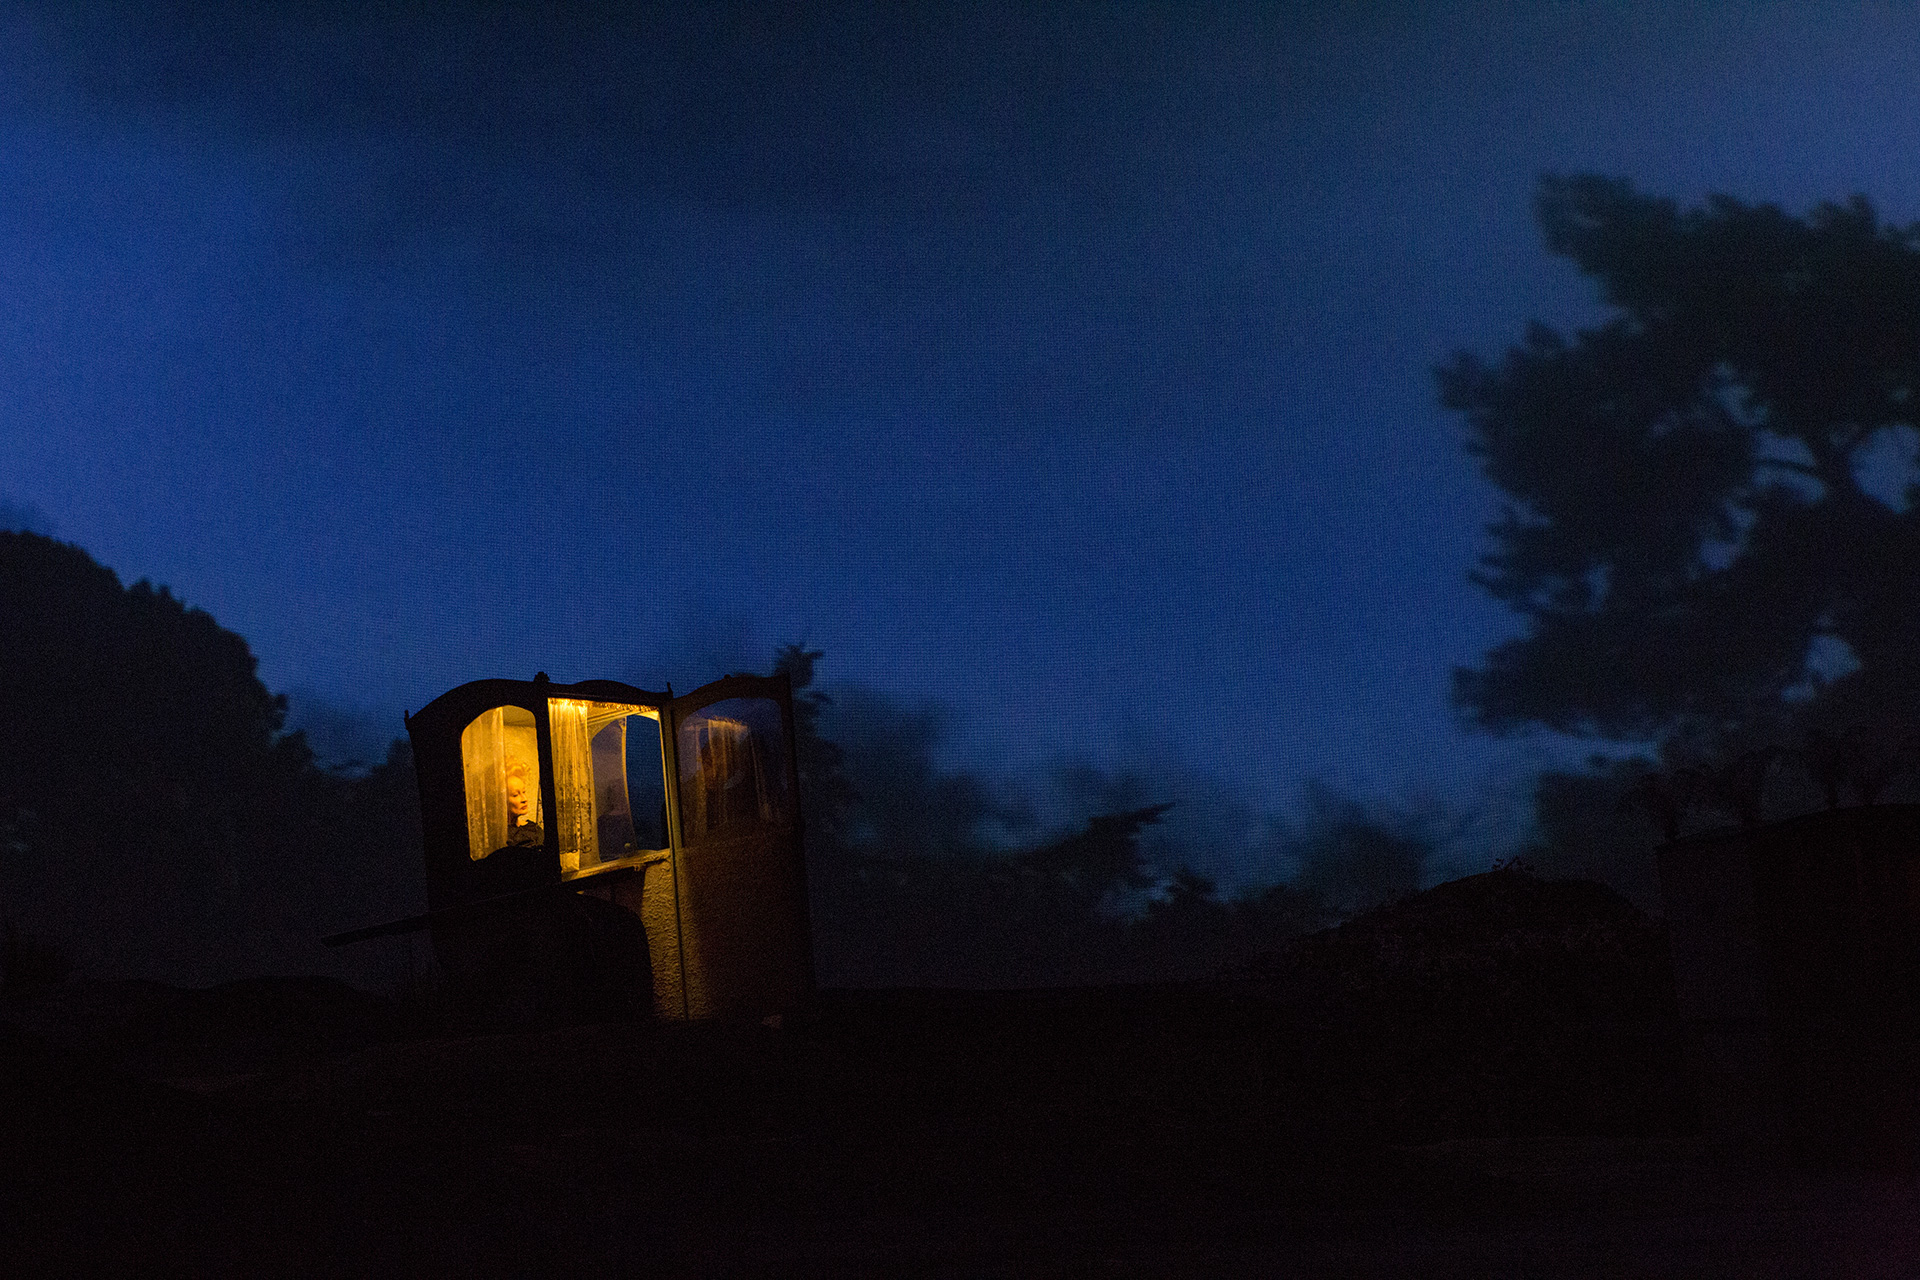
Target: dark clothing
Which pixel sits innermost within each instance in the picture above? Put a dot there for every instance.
(520, 863)
(549, 958)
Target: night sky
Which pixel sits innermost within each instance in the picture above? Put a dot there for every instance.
(1065, 368)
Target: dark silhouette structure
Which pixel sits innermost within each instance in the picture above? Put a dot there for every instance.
(1796, 953)
(593, 839)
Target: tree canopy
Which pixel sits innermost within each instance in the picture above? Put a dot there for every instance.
(1708, 522)
(124, 700)
(155, 820)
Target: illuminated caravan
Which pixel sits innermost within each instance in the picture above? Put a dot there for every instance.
(683, 810)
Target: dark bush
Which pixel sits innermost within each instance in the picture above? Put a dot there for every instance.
(1495, 1005)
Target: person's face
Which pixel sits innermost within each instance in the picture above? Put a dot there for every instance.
(519, 799)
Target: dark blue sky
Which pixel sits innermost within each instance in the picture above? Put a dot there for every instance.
(1071, 369)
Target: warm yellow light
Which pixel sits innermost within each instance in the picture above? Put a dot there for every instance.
(590, 782)
(495, 743)
(604, 710)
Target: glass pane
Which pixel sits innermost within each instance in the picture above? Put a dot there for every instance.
(733, 767)
(595, 746)
(500, 753)
(646, 781)
(612, 815)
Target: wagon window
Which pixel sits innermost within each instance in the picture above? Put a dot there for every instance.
(733, 767)
(606, 780)
(646, 780)
(500, 755)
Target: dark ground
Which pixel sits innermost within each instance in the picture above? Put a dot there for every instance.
(1483, 1080)
(1098, 1132)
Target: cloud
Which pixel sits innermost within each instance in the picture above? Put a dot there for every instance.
(880, 221)
(548, 120)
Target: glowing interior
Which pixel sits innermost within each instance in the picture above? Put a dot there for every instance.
(495, 742)
(596, 821)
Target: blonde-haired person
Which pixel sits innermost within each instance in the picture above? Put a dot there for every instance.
(522, 862)
(521, 827)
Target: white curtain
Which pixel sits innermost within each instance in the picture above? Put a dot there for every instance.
(483, 750)
(573, 782)
(487, 747)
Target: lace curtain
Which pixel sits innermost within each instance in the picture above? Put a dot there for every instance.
(483, 750)
(729, 784)
(590, 780)
(593, 815)
(573, 782)
(487, 746)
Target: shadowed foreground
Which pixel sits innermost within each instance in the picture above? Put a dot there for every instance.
(1296, 1120)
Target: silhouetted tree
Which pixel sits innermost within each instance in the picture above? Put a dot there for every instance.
(1865, 759)
(1695, 531)
(826, 794)
(137, 734)
(1603, 825)
(1353, 859)
(1091, 866)
(149, 799)
(1187, 932)
(907, 802)
(922, 874)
